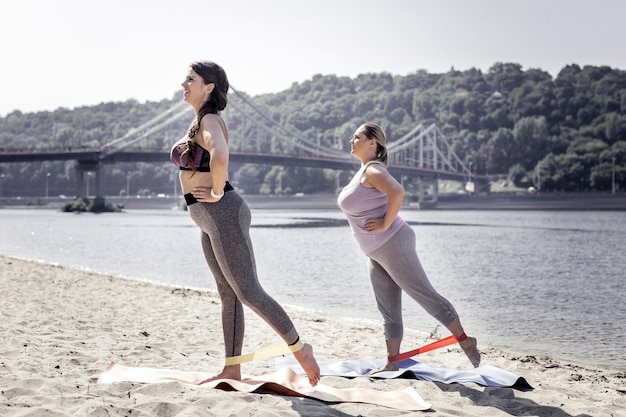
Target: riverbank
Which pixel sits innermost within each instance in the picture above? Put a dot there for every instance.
(543, 201)
(500, 201)
(62, 328)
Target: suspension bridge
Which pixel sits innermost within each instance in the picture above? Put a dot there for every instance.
(422, 154)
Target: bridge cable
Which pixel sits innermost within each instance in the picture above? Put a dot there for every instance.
(318, 149)
(132, 131)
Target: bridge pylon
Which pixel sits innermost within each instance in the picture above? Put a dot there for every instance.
(84, 167)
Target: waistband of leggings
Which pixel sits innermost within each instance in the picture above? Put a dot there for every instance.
(190, 199)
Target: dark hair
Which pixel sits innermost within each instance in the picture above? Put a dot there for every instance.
(375, 132)
(210, 72)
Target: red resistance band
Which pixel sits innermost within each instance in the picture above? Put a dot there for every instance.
(446, 341)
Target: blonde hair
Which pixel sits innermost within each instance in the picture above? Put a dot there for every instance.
(375, 132)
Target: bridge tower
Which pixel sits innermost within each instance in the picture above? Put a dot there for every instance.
(82, 168)
(427, 150)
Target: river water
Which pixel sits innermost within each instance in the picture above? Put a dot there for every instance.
(534, 282)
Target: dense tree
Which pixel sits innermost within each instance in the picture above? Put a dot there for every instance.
(561, 134)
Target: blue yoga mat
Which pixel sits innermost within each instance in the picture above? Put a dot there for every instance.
(485, 375)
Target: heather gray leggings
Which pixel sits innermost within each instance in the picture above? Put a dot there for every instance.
(228, 251)
(394, 267)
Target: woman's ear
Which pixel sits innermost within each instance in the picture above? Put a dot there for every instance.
(209, 88)
(373, 144)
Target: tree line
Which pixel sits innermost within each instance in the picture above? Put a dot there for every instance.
(566, 133)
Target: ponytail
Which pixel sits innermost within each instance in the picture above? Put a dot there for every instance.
(373, 131)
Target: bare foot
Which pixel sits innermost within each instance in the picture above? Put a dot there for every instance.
(470, 349)
(307, 361)
(229, 372)
(391, 366)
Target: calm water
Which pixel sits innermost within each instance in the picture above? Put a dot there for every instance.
(530, 281)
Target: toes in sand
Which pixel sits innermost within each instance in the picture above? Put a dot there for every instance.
(306, 359)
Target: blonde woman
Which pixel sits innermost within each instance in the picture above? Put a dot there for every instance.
(371, 202)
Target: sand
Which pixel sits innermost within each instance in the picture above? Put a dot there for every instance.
(61, 328)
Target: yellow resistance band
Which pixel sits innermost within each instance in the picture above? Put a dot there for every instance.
(276, 349)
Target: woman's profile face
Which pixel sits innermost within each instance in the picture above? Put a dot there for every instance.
(360, 144)
(195, 91)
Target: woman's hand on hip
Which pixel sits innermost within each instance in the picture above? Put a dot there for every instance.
(203, 195)
(374, 225)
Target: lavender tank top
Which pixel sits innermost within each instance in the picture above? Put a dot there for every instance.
(359, 204)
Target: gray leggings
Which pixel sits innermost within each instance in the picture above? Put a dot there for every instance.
(394, 267)
(228, 251)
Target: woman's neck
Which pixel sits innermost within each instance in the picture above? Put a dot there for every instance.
(366, 160)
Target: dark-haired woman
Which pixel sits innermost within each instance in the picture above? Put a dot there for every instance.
(224, 220)
(371, 202)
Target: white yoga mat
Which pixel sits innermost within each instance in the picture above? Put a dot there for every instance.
(283, 382)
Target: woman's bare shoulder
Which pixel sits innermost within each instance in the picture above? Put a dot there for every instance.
(211, 120)
(375, 167)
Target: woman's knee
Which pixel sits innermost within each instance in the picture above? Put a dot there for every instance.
(252, 296)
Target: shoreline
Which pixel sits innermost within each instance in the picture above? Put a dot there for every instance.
(326, 315)
(544, 201)
(62, 327)
(493, 201)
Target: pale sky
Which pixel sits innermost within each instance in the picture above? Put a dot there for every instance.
(70, 53)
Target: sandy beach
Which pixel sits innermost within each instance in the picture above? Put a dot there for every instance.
(61, 328)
